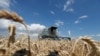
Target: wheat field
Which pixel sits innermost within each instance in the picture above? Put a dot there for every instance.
(23, 46)
(76, 47)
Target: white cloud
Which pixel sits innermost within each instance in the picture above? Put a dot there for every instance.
(95, 35)
(76, 22)
(92, 35)
(34, 29)
(70, 10)
(52, 12)
(5, 4)
(80, 19)
(32, 35)
(98, 35)
(59, 23)
(4, 23)
(68, 6)
(83, 17)
(69, 33)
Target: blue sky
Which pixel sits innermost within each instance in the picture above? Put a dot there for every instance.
(76, 17)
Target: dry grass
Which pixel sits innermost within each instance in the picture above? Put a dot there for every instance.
(76, 47)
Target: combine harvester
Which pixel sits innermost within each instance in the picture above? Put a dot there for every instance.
(50, 33)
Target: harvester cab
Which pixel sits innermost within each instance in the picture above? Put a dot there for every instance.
(48, 33)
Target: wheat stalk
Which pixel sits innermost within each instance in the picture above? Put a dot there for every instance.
(95, 49)
(74, 47)
(11, 29)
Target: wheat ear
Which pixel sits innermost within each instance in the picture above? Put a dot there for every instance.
(92, 44)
